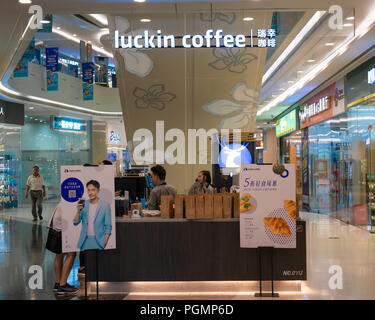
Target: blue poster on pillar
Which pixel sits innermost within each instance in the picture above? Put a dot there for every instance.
(87, 72)
(52, 81)
(52, 59)
(22, 68)
(30, 50)
(88, 91)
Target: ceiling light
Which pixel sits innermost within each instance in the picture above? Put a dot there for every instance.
(74, 35)
(299, 71)
(24, 1)
(248, 19)
(45, 22)
(145, 20)
(89, 41)
(311, 60)
(58, 28)
(350, 18)
(329, 44)
(139, 0)
(31, 108)
(348, 24)
(101, 18)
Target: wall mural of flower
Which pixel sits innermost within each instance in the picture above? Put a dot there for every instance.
(154, 97)
(232, 59)
(229, 17)
(136, 61)
(239, 113)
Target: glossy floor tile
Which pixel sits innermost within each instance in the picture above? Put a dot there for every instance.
(329, 243)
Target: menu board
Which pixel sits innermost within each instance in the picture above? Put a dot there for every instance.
(267, 207)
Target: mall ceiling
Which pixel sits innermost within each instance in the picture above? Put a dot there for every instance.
(14, 19)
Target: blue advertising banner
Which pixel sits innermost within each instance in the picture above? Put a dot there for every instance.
(88, 91)
(47, 27)
(52, 59)
(22, 68)
(87, 72)
(52, 81)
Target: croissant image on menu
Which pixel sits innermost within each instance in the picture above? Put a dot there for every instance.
(277, 226)
(291, 208)
(245, 204)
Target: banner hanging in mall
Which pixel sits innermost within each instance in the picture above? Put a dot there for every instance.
(88, 79)
(30, 50)
(52, 66)
(265, 223)
(47, 24)
(22, 68)
(88, 208)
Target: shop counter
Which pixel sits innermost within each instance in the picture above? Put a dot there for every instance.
(155, 249)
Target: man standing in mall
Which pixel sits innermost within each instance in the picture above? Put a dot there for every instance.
(35, 184)
(158, 175)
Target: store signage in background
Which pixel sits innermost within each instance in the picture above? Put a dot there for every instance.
(371, 76)
(47, 24)
(286, 124)
(115, 134)
(321, 106)
(75, 235)
(87, 78)
(68, 124)
(114, 137)
(305, 169)
(12, 113)
(265, 223)
(52, 66)
(258, 38)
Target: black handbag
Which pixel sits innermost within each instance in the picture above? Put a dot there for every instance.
(54, 239)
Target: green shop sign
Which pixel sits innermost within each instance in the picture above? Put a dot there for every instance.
(286, 124)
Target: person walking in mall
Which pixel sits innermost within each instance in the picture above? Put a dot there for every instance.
(63, 261)
(35, 184)
(158, 175)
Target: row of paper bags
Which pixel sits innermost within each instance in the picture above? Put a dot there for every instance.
(201, 206)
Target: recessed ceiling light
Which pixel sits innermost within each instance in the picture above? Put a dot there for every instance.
(45, 22)
(350, 18)
(248, 19)
(25, 1)
(58, 28)
(145, 20)
(311, 60)
(348, 24)
(89, 41)
(299, 71)
(74, 35)
(139, 0)
(31, 108)
(329, 44)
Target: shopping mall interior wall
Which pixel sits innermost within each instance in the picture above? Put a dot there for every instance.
(270, 150)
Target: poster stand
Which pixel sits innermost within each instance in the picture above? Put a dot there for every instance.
(261, 293)
(97, 274)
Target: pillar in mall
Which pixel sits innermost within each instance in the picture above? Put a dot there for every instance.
(196, 88)
(270, 151)
(98, 141)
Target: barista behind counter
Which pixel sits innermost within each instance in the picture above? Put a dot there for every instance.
(202, 183)
(158, 175)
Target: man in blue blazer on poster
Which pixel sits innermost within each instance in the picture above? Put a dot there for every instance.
(95, 215)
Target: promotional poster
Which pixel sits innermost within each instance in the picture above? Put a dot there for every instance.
(22, 69)
(88, 91)
(88, 218)
(265, 223)
(52, 59)
(52, 81)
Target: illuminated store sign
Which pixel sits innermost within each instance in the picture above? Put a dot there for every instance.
(314, 108)
(371, 76)
(68, 124)
(266, 38)
(286, 124)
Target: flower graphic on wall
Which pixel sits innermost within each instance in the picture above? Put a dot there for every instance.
(136, 61)
(233, 59)
(154, 97)
(223, 17)
(238, 113)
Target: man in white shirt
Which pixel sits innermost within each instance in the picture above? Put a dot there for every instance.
(35, 184)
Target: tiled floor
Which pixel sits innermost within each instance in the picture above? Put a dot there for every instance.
(329, 242)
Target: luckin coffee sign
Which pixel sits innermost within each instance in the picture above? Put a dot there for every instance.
(259, 38)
